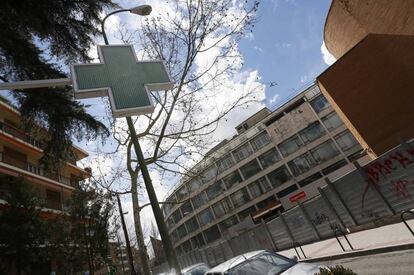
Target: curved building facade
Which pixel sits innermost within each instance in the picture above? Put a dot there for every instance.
(276, 160)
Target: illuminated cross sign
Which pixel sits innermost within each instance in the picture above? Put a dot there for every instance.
(122, 78)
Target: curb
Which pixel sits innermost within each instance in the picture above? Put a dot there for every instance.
(357, 253)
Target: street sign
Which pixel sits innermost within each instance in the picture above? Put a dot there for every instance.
(120, 76)
(297, 196)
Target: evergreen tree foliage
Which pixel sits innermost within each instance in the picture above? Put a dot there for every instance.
(37, 40)
(22, 229)
(30, 239)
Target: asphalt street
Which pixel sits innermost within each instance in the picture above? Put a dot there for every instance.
(400, 262)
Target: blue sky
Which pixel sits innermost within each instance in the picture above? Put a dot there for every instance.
(285, 45)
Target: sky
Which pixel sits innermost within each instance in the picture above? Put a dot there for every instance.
(285, 46)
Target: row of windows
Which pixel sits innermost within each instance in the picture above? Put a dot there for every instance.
(287, 147)
(212, 233)
(298, 166)
(221, 165)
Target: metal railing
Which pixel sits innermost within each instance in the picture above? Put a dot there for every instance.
(18, 133)
(404, 220)
(36, 169)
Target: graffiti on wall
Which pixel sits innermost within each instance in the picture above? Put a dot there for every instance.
(378, 173)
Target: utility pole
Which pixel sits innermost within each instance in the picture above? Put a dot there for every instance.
(128, 245)
(120, 250)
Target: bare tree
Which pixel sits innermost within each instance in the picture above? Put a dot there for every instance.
(198, 41)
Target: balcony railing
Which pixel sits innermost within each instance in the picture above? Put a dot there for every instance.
(38, 170)
(18, 133)
(21, 135)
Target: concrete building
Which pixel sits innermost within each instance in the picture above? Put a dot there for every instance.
(20, 153)
(370, 85)
(276, 160)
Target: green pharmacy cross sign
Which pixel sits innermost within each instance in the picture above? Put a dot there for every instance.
(120, 76)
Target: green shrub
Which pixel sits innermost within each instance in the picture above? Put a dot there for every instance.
(335, 270)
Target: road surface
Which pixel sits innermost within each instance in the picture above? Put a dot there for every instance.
(401, 262)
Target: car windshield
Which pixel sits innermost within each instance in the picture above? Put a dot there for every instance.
(265, 264)
(198, 270)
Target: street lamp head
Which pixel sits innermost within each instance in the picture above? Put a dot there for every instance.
(142, 10)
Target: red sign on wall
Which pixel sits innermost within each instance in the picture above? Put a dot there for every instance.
(298, 196)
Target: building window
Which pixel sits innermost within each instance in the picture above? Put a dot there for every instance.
(170, 223)
(246, 212)
(268, 158)
(194, 184)
(229, 222)
(209, 174)
(301, 164)
(312, 92)
(199, 200)
(287, 191)
(242, 152)
(192, 225)
(266, 202)
(205, 216)
(250, 169)
(222, 207)
(166, 208)
(260, 141)
(312, 132)
(198, 241)
(186, 246)
(310, 179)
(225, 163)
(346, 140)
(176, 216)
(334, 167)
(319, 104)
(182, 232)
(240, 197)
(175, 236)
(232, 179)
(278, 176)
(258, 187)
(332, 121)
(290, 145)
(325, 151)
(216, 189)
(186, 208)
(182, 193)
(212, 234)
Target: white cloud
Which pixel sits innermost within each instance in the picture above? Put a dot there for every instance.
(249, 36)
(326, 55)
(303, 78)
(257, 48)
(274, 99)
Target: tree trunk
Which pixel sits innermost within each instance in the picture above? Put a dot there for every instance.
(142, 249)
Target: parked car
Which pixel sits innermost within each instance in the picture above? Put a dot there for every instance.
(197, 269)
(263, 262)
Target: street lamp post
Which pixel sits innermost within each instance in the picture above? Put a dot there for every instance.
(144, 10)
(128, 244)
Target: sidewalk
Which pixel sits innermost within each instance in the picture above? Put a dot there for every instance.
(378, 240)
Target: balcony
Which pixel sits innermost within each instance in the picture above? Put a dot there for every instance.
(38, 170)
(18, 133)
(15, 132)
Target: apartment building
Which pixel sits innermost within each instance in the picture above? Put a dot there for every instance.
(20, 154)
(371, 83)
(276, 160)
